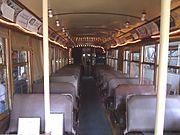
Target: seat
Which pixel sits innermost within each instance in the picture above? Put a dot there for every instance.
(120, 94)
(141, 114)
(32, 105)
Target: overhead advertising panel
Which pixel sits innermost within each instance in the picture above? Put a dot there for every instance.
(6, 11)
(28, 21)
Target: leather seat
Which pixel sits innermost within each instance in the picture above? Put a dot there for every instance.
(32, 105)
(58, 88)
(141, 114)
(68, 79)
(120, 94)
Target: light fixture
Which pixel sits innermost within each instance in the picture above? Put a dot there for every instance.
(57, 23)
(63, 29)
(119, 32)
(143, 16)
(50, 13)
(127, 24)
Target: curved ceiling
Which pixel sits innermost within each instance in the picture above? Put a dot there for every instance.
(98, 18)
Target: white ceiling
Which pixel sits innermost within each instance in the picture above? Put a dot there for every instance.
(102, 17)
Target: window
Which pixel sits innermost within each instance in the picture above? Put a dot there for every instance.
(174, 55)
(173, 76)
(148, 74)
(20, 71)
(149, 54)
(19, 56)
(134, 70)
(126, 62)
(3, 76)
(148, 67)
(57, 58)
(135, 65)
(127, 55)
(135, 56)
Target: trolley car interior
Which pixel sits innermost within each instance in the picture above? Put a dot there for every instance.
(104, 65)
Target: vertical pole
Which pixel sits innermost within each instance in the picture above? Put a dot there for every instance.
(46, 66)
(162, 79)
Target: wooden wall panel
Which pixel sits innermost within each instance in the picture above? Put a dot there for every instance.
(37, 62)
(120, 59)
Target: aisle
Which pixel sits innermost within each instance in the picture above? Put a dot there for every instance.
(92, 116)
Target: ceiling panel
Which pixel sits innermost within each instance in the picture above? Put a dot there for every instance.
(83, 17)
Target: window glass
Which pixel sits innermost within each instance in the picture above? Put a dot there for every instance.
(173, 85)
(134, 69)
(100, 58)
(174, 55)
(116, 54)
(126, 67)
(2, 50)
(57, 59)
(149, 54)
(148, 74)
(3, 77)
(3, 91)
(127, 55)
(20, 79)
(173, 76)
(19, 56)
(20, 71)
(135, 56)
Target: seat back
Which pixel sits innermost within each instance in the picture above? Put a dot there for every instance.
(123, 90)
(141, 113)
(69, 79)
(115, 82)
(57, 88)
(32, 105)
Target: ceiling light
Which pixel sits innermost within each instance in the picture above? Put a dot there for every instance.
(63, 29)
(143, 17)
(127, 24)
(50, 13)
(57, 23)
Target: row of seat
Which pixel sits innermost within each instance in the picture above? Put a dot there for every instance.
(115, 87)
(64, 97)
